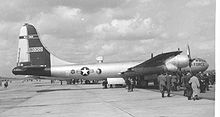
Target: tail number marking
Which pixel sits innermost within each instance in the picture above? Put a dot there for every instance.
(36, 49)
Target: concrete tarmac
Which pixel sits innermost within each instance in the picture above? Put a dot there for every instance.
(42, 99)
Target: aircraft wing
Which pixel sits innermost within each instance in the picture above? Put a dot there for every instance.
(148, 65)
(158, 60)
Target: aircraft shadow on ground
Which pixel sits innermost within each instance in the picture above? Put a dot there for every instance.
(149, 87)
(41, 85)
(51, 90)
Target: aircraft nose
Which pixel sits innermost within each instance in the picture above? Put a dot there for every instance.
(206, 65)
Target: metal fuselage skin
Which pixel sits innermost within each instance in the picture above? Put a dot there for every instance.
(197, 65)
(114, 70)
(100, 71)
(94, 71)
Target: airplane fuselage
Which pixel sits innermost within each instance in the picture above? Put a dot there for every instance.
(91, 71)
(108, 70)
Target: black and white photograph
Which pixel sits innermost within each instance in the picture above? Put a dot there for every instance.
(108, 58)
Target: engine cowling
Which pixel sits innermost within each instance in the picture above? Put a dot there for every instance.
(179, 61)
(171, 67)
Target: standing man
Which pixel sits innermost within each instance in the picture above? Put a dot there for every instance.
(132, 84)
(188, 86)
(162, 83)
(201, 79)
(206, 82)
(105, 83)
(6, 84)
(168, 84)
(128, 83)
(174, 82)
(195, 86)
(202, 85)
(184, 83)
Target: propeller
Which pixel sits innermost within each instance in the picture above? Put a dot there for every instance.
(188, 52)
(189, 56)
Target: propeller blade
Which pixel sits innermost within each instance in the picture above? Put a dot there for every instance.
(188, 52)
(189, 56)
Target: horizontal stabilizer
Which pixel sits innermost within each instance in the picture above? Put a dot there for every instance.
(35, 67)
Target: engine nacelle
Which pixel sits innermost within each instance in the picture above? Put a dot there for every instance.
(171, 67)
(179, 61)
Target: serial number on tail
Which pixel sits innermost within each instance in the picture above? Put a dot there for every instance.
(36, 49)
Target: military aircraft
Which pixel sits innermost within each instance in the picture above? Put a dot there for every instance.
(35, 60)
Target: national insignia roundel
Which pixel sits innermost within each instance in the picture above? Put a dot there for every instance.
(72, 71)
(98, 71)
(85, 71)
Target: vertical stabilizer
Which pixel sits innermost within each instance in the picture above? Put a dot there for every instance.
(31, 52)
(32, 57)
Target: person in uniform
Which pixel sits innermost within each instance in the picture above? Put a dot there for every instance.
(202, 85)
(195, 86)
(105, 83)
(206, 82)
(201, 79)
(184, 82)
(188, 89)
(168, 84)
(162, 83)
(128, 83)
(132, 85)
(174, 82)
(6, 84)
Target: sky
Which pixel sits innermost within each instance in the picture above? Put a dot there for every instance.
(78, 31)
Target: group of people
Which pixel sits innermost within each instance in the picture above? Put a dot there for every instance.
(204, 82)
(130, 82)
(191, 86)
(192, 83)
(164, 80)
(172, 81)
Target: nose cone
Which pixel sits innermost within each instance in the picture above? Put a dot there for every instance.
(206, 66)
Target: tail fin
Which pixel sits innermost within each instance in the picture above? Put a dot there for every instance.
(32, 54)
